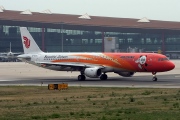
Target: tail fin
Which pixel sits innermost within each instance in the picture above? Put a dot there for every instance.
(29, 44)
(10, 47)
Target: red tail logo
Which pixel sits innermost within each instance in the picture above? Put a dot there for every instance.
(26, 42)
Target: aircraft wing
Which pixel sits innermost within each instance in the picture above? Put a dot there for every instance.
(3, 56)
(17, 53)
(68, 64)
(6, 54)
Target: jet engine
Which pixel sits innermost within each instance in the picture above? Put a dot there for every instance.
(92, 72)
(126, 74)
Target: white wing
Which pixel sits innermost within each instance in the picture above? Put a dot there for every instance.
(71, 64)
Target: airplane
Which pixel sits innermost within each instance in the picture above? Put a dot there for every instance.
(93, 65)
(9, 56)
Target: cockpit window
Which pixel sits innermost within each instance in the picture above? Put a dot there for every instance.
(163, 59)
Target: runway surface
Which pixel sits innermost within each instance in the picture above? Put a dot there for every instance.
(19, 73)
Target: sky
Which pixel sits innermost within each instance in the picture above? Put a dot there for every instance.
(166, 10)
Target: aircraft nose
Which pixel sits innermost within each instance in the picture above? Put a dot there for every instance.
(170, 66)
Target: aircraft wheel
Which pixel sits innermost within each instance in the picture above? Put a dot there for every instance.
(81, 77)
(103, 77)
(154, 78)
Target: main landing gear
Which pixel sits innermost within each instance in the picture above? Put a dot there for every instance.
(154, 76)
(81, 77)
(103, 76)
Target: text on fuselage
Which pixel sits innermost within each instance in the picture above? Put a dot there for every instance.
(55, 57)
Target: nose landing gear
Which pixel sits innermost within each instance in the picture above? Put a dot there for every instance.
(154, 76)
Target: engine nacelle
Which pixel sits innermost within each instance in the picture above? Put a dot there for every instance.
(126, 74)
(92, 72)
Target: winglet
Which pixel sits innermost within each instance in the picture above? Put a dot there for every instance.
(29, 44)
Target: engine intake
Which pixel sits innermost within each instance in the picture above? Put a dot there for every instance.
(92, 72)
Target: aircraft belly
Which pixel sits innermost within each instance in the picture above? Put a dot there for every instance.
(121, 70)
(60, 68)
(107, 69)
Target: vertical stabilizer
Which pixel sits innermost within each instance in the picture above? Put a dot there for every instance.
(10, 47)
(29, 44)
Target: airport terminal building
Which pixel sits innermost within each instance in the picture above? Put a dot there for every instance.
(84, 33)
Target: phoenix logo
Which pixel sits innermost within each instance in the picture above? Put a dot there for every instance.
(26, 42)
